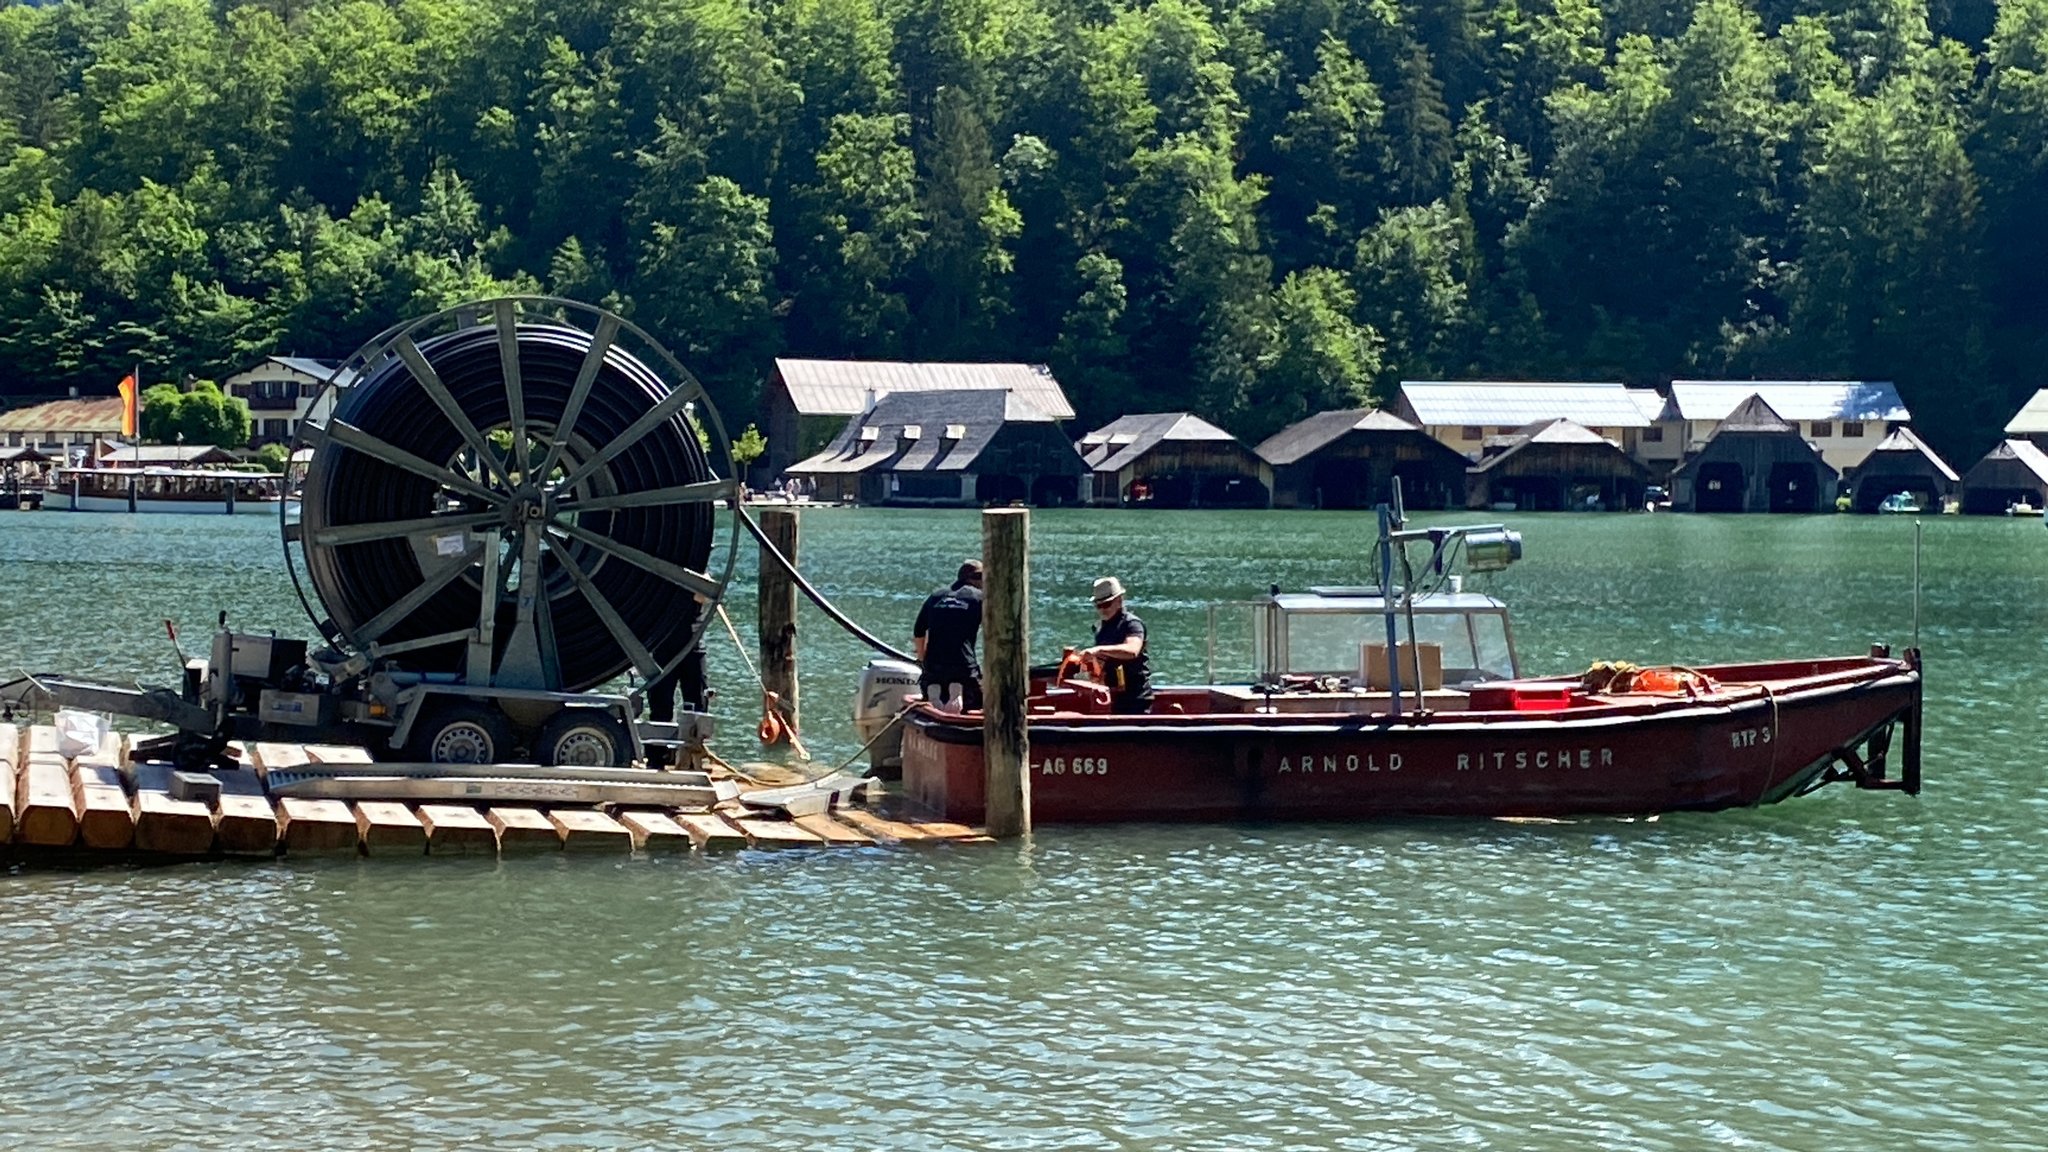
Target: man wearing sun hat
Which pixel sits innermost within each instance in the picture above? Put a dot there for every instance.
(1120, 650)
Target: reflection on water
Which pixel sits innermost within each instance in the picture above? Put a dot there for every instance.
(1843, 971)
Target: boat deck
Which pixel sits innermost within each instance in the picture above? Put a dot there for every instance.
(103, 804)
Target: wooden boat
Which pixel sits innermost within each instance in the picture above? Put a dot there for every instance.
(1310, 739)
(187, 491)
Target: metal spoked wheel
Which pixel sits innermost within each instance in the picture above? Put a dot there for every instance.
(460, 733)
(517, 492)
(583, 738)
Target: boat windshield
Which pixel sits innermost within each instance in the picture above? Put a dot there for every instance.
(1320, 636)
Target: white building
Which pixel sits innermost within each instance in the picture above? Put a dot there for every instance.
(1843, 419)
(1462, 414)
(281, 392)
(60, 425)
(1661, 446)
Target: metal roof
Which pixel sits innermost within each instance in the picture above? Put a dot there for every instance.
(1437, 403)
(1754, 414)
(1559, 431)
(846, 387)
(1304, 437)
(85, 414)
(1903, 443)
(1122, 441)
(876, 439)
(1791, 399)
(167, 454)
(2032, 418)
(1654, 404)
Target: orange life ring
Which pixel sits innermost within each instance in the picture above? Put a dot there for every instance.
(772, 730)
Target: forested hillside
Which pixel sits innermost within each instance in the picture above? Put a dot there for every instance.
(1254, 208)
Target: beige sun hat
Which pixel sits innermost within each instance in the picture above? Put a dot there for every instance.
(1108, 588)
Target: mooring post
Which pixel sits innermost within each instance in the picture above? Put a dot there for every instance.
(1006, 669)
(778, 610)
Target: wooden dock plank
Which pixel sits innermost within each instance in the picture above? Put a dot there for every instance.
(772, 833)
(832, 831)
(338, 754)
(179, 827)
(386, 826)
(942, 830)
(245, 822)
(106, 819)
(452, 829)
(44, 811)
(522, 828)
(314, 827)
(653, 831)
(271, 756)
(709, 833)
(11, 747)
(590, 830)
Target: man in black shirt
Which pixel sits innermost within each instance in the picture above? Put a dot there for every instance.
(946, 629)
(1120, 649)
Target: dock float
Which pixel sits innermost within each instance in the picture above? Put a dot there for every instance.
(107, 803)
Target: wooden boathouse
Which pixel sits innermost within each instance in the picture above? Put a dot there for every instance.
(958, 448)
(1173, 460)
(1755, 461)
(1552, 466)
(1348, 459)
(2013, 473)
(1901, 462)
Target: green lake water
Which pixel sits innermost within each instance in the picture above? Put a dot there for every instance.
(1844, 971)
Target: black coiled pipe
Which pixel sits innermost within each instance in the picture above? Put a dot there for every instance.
(357, 581)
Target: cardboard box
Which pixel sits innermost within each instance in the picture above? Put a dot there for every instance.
(1375, 663)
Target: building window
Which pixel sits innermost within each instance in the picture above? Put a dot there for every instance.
(1853, 429)
(1472, 432)
(1822, 428)
(1654, 434)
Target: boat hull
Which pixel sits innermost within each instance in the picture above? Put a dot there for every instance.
(57, 500)
(1772, 732)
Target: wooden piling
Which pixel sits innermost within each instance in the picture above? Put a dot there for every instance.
(778, 610)
(1006, 668)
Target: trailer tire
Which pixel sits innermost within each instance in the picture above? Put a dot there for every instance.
(584, 738)
(460, 732)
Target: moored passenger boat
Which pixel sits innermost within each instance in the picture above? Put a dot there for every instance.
(189, 491)
(1329, 729)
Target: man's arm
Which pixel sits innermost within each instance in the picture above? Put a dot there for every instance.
(918, 630)
(1129, 648)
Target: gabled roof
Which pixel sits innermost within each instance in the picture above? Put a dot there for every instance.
(1753, 414)
(1654, 405)
(2031, 419)
(167, 454)
(1902, 444)
(1304, 437)
(84, 414)
(845, 387)
(913, 432)
(1791, 399)
(2025, 452)
(26, 454)
(1478, 402)
(1546, 432)
(1123, 440)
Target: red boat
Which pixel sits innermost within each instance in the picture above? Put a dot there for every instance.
(1312, 739)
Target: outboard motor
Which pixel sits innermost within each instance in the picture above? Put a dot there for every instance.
(885, 685)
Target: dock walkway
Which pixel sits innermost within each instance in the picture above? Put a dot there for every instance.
(105, 804)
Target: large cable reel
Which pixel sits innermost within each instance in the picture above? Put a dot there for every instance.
(516, 492)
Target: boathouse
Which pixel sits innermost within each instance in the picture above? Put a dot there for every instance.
(61, 424)
(1553, 466)
(1348, 459)
(2031, 421)
(964, 448)
(1173, 460)
(1843, 419)
(2013, 473)
(1462, 414)
(1756, 461)
(808, 402)
(1901, 462)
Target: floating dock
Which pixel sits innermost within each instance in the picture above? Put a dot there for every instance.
(108, 804)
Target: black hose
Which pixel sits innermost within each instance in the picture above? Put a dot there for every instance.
(357, 581)
(837, 617)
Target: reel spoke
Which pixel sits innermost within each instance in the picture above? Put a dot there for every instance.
(430, 380)
(693, 581)
(656, 416)
(399, 529)
(515, 388)
(600, 344)
(406, 605)
(643, 660)
(349, 436)
(702, 492)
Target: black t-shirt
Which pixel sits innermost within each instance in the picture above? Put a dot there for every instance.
(1126, 678)
(949, 621)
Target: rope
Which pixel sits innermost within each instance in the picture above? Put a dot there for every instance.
(816, 597)
(775, 726)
